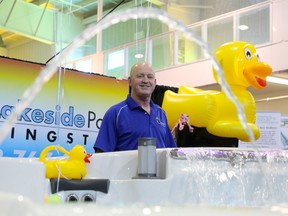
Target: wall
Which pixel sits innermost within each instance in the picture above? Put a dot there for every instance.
(273, 106)
(194, 74)
(276, 101)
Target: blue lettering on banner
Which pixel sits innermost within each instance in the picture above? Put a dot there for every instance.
(67, 119)
(37, 128)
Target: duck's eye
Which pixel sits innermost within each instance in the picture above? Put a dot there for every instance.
(248, 53)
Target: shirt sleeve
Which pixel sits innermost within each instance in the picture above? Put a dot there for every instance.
(107, 136)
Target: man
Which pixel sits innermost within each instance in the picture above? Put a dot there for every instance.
(136, 117)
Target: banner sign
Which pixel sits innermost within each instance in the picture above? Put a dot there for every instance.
(68, 110)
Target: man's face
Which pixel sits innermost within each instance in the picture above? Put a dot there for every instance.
(142, 81)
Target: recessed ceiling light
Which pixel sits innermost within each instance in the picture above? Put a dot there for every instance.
(243, 27)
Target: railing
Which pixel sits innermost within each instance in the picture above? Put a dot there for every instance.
(251, 24)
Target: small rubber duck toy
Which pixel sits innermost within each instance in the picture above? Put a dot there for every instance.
(72, 167)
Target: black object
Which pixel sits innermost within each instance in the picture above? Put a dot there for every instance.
(101, 185)
(200, 137)
(159, 91)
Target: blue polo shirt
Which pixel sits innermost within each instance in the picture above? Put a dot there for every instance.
(126, 121)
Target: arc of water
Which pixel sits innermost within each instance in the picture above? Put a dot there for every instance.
(92, 30)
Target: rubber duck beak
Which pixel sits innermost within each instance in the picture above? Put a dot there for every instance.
(86, 159)
(256, 74)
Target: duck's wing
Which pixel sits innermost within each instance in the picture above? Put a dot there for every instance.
(72, 169)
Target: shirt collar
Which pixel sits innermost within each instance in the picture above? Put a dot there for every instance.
(132, 104)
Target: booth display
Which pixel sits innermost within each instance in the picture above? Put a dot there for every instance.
(223, 181)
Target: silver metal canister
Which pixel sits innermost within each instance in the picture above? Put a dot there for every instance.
(147, 164)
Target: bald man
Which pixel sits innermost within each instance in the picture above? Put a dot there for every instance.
(135, 117)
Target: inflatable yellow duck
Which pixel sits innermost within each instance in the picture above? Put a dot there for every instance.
(213, 109)
(72, 167)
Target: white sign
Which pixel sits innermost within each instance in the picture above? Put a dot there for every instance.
(269, 124)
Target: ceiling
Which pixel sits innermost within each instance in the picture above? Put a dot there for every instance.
(80, 8)
(87, 8)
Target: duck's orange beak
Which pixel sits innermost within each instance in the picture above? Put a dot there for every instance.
(86, 159)
(256, 74)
